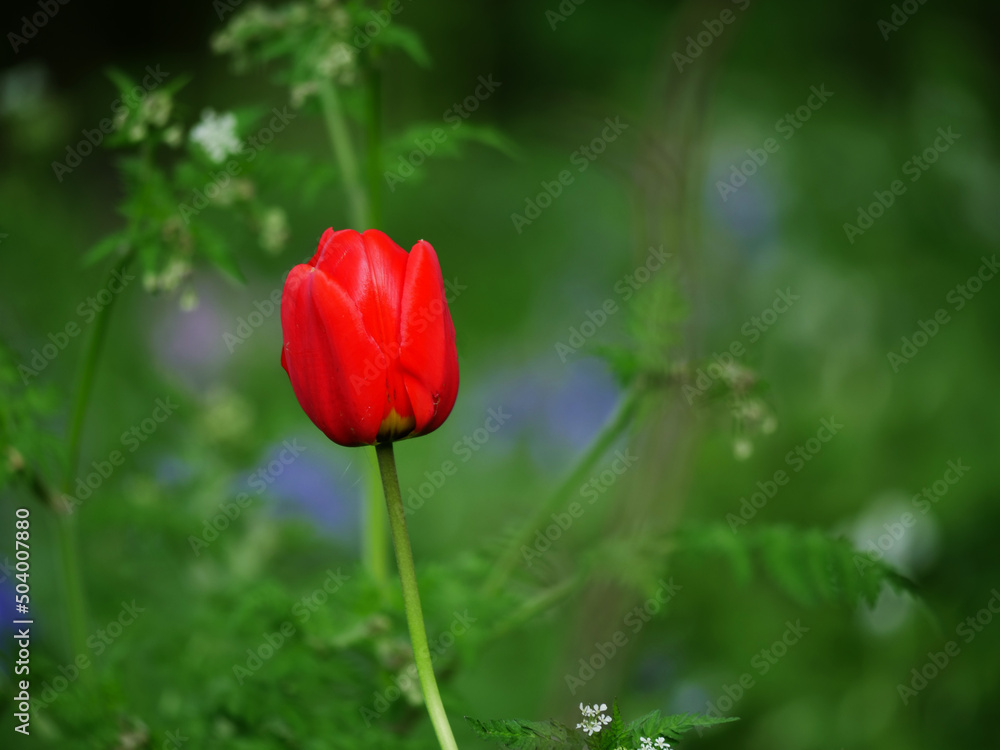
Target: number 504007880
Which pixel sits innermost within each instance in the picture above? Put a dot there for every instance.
(22, 551)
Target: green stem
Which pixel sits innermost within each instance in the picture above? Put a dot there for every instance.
(611, 431)
(343, 150)
(86, 383)
(65, 523)
(72, 583)
(411, 597)
(373, 536)
(374, 145)
(375, 553)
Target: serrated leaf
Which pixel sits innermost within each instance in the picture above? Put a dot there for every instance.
(518, 734)
(807, 565)
(654, 724)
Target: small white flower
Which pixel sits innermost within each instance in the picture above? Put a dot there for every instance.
(216, 134)
(662, 744)
(645, 743)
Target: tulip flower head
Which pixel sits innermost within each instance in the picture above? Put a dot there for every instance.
(369, 344)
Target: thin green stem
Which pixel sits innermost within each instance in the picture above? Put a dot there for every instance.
(65, 523)
(95, 345)
(411, 597)
(607, 436)
(375, 540)
(374, 126)
(343, 150)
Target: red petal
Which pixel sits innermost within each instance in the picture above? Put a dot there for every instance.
(427, 353)
(331, 360)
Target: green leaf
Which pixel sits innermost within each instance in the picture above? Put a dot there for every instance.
(111, 243)
(654, 725)
(808, 565)
(518, 734)
(407, 40)
(216, 250)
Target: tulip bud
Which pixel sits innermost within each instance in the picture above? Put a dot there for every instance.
(369, 344)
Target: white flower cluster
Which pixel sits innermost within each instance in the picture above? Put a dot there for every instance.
(645, 743)
(594, 718)
(217, 135)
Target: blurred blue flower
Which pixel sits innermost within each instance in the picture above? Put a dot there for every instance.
(322, 485)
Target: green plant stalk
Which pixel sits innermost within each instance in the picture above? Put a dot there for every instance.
(374, 127)
(65, 524)
(343, 150)
(411, 597)
(374, 552)
(598, 447)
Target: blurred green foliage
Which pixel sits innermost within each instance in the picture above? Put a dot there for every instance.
(867, 546)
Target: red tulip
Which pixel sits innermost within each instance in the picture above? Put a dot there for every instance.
(369, 344)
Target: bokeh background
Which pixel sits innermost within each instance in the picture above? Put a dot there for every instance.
(824, 357)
